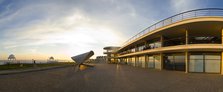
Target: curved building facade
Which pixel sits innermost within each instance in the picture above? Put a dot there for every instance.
(111, 54)
(191, 41)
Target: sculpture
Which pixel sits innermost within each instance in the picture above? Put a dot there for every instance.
(80, 59)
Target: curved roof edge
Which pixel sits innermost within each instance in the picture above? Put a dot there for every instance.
(178, 17)
(111, 47)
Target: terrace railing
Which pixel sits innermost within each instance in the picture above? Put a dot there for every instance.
(178, 17)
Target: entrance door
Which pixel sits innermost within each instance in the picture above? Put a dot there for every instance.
(174, 62)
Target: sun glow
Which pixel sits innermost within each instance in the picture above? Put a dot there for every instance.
(84, 38)
(65, 37)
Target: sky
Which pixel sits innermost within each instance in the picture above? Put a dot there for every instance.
(38, 29)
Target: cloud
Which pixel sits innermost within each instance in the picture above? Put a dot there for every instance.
(185, 5)
(75, 26)
(77, 30)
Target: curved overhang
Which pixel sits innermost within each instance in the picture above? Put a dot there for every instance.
(109, 52)
(179, 48)
(200, 22)
(111, 47)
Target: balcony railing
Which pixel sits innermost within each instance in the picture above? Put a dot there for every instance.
(178, 17)
(181, 40)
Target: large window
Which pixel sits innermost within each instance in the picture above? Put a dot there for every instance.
(205, 62)
(130, 61)
(169, 62)
(133, 50)
(204, 39)
(212, 63)
(154, 45)
(154, 62)
(157, 62)
(174, 61)
(141, 48)
(151, 63)
(137, 61)
(179, 61)
(112, 55)
(174, 41)
(133, 61)
(196, 63)
(142, 61)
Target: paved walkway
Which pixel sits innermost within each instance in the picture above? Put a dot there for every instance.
(110, 78)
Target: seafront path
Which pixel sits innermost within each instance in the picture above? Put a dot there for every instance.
(110, 78)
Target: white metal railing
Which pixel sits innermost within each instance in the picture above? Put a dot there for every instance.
(178, 17)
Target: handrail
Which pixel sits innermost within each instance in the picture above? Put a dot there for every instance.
(178, 17)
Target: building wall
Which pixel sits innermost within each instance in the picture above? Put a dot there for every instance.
(111, 54)
(189, 47)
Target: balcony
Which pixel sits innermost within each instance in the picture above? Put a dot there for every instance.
(209, 14)
(179, 48)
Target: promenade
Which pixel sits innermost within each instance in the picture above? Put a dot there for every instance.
(110, 78)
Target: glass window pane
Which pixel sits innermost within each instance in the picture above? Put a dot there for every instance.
(129, 61)
(212, 66)
(136, 61)
(196, 56)
(179, 57)
(150, 62)
(196, 65)
(142, 59)
(179, 62)
(212, 57)
(133, 61)
(170, 57)
(143, 64)
(151, 58)
(157, 62)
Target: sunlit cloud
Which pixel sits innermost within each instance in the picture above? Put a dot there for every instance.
(78, 32)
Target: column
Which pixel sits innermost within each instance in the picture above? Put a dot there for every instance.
(186, 35)
(161, 61)
(186, 53)
(186, 62)
(136, 61)
(161, 40)
(146, 61)
(222, 63)
(222, 52)
(145, 43)
(222, 36)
